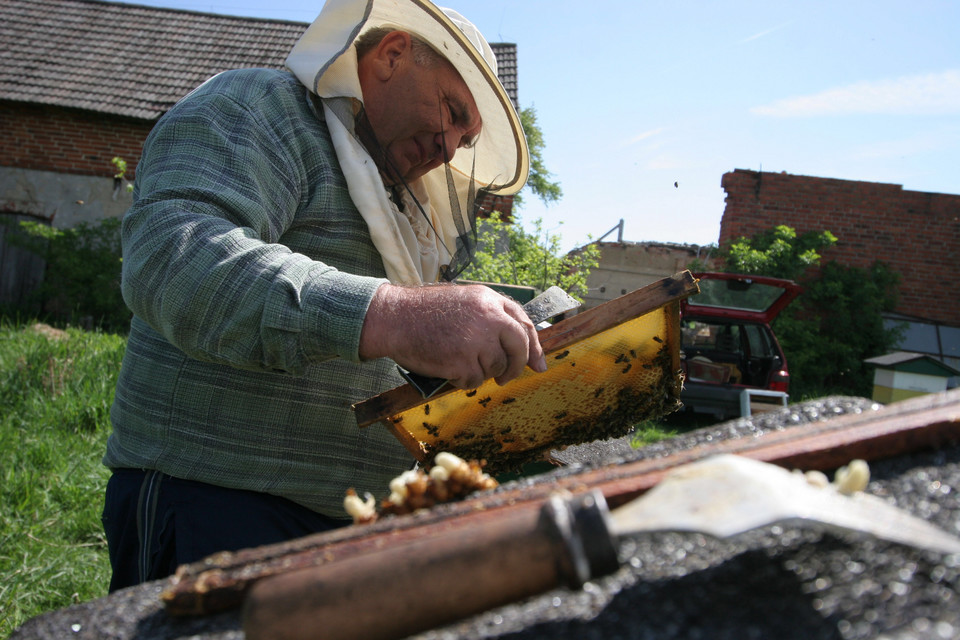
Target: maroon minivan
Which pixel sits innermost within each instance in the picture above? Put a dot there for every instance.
(728, 345)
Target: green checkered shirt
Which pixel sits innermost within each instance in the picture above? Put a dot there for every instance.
(249, 271)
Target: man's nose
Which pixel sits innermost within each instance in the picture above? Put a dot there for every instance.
(448, 142)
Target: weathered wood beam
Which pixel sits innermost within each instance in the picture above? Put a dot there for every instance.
(220, 582)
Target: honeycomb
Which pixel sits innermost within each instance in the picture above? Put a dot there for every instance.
(596, 388)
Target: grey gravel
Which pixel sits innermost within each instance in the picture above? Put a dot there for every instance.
(778, 582)
(620, 449)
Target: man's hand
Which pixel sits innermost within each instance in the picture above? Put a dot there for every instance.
(463, 333)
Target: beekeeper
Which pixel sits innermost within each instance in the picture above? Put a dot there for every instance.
(281, 258)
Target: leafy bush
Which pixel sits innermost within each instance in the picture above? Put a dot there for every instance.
(778, 253)
(509, 255)
(836, 323)
(81, 283)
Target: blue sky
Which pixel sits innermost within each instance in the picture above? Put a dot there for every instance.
(634, 96)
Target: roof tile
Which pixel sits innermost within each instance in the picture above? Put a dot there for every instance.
(136, 61)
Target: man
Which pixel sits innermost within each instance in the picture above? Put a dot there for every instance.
(277, 257)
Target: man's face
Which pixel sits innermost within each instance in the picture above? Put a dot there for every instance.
(423, 112)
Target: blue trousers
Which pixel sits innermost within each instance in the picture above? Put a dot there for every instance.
(155, 522)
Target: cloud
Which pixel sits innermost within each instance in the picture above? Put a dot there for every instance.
(766, 32)
(664, 161)
(922, 143)
(640, 137)
(926, 94)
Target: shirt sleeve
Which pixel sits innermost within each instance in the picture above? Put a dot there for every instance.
(219, 181)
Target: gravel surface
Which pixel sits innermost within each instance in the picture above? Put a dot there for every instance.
(619, 450)
(774, 583)
(778, 582)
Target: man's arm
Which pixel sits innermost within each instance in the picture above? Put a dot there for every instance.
(222, 178)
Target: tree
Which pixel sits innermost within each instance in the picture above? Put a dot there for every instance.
(778, 253)
(508, 254)
(539, 179)
(836, 323)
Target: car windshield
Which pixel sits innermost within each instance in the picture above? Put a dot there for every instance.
(735, 294)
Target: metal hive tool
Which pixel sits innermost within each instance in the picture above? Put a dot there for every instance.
(609, 368)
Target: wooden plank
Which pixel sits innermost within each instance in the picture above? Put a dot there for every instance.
(220, 582)
(555, 337)
(619, 310)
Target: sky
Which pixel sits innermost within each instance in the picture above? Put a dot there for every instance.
(645, 104)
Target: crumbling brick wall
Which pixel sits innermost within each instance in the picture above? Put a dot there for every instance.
(916, 233)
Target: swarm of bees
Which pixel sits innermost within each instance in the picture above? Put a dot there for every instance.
(450, 478)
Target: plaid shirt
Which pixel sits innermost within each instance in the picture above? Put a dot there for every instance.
(249, 271)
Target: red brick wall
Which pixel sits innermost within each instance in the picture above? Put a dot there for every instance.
(503, 204)
(916, 233)
(49, 138)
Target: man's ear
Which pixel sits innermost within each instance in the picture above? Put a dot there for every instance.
(392, 50)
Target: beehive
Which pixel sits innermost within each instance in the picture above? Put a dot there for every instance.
(608, 368)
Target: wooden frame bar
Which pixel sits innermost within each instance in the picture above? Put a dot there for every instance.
(926, 422)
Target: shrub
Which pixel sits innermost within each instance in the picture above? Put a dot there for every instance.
(835, 325)
(81, 283)
(837, 321)
(508, 254)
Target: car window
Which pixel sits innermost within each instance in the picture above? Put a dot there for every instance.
(758, 340)
(733, 294)
(699, 334)
(717, 336)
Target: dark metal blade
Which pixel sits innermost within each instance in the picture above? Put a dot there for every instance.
(550, 303)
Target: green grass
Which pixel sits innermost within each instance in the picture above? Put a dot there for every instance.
(56, 388)
(649, 432)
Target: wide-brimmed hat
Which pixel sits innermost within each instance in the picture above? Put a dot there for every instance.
(500, 159)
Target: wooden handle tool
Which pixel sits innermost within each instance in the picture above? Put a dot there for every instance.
(436, 579)
(398, 590)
